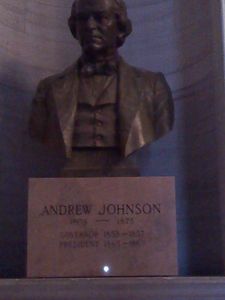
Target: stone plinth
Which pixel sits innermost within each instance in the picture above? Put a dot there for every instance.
(88, 227)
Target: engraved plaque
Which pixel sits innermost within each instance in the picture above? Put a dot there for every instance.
(87, 227)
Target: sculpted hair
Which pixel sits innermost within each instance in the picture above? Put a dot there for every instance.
(124, 23)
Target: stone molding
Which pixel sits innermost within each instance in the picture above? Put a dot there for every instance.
(180, 288)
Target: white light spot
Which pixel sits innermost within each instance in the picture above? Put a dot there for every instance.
(106, 269)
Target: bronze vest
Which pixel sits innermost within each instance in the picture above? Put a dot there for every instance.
(96, 117)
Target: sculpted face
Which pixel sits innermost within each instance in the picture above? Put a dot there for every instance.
(96, 26)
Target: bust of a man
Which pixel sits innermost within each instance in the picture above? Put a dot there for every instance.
(100, 110)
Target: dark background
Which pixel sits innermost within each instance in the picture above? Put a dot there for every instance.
(180, 38)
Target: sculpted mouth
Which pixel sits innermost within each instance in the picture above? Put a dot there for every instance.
(95, 37)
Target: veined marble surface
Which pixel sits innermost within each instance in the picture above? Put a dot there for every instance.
(177, 37)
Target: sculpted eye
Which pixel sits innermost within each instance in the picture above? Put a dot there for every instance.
(82, 17)
(101, 17)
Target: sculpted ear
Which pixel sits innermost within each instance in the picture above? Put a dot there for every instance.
(125, 29)
(129, 27)
(72, 27)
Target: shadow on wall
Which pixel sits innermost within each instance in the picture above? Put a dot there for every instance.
(21, 158)
(198, 121)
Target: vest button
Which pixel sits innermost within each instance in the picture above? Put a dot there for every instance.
(99, 137)
(99, 123)
(98, 140)
(99, 111)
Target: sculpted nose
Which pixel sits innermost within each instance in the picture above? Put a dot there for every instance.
(91, 23)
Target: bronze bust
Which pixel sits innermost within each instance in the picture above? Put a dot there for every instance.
(100, 110)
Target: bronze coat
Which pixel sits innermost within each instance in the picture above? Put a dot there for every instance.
(145, 108)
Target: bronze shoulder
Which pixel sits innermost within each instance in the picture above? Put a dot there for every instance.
(57, 78)
(149, 78)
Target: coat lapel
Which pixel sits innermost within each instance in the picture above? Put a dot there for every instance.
(136, 110)
(65, 95)
(129, 101)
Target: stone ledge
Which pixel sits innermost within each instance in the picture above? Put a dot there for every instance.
(180, 288)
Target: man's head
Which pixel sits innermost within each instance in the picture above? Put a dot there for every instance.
(99, 25)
